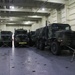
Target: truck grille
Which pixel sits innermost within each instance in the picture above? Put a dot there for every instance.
(22, 38)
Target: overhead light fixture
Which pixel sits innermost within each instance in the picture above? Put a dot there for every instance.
(27, 22)
(4, 7)
(35, 16)
(43, 9)
(1, 21)
(11, 19)
(12, 7)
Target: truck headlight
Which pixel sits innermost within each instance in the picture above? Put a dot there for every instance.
(17, 39)
(60, 40)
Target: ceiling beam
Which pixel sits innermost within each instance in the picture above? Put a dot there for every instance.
(22, 14)
(28, 19)
(35, 4)
(18, 25)
(25, 10)
(20, 18)
(53, 1)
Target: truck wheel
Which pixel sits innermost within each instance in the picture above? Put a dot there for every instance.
(37, 45)
(55, 48)
(41, 45)
(0, 44)
(10, 44)
(15, 44)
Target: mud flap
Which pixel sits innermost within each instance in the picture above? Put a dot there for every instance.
(72, 59)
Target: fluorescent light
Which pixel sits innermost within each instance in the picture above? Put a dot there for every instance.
(35, 16)
(11, 7)
(27, 22)
(11, 23)
(43, 9)
(11, 19)
(4, 7)
(1, 21)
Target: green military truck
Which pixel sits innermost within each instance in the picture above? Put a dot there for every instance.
(31, 36)
(5, 38)
(20, 37)
(57, 36)
(36, 36)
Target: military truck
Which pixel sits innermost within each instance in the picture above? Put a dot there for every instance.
(36, 36)
(58, 37)
(31, 36)
(5, 38)
(20, 38)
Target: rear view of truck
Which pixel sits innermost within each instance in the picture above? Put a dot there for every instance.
(6, 38)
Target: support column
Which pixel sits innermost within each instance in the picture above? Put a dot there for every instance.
(43, 22)
(58, 16)
(67, 11)
(3, 27)
(54, 16)
(35, 26)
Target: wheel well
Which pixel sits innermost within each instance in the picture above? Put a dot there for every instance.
(54, 40)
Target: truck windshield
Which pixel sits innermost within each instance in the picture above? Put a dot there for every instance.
(5, 32)
(57, 27)
(21, 32)
(60, 27)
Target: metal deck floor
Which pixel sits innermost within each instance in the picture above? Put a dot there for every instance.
(30, 61)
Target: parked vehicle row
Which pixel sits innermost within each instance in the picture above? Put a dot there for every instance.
(21, 38)
(56, 36)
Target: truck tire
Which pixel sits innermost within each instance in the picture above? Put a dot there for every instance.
(0, 44)
(41, 45)
(15, 44)
(55, 48)
(37, 45)
(10, 44)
